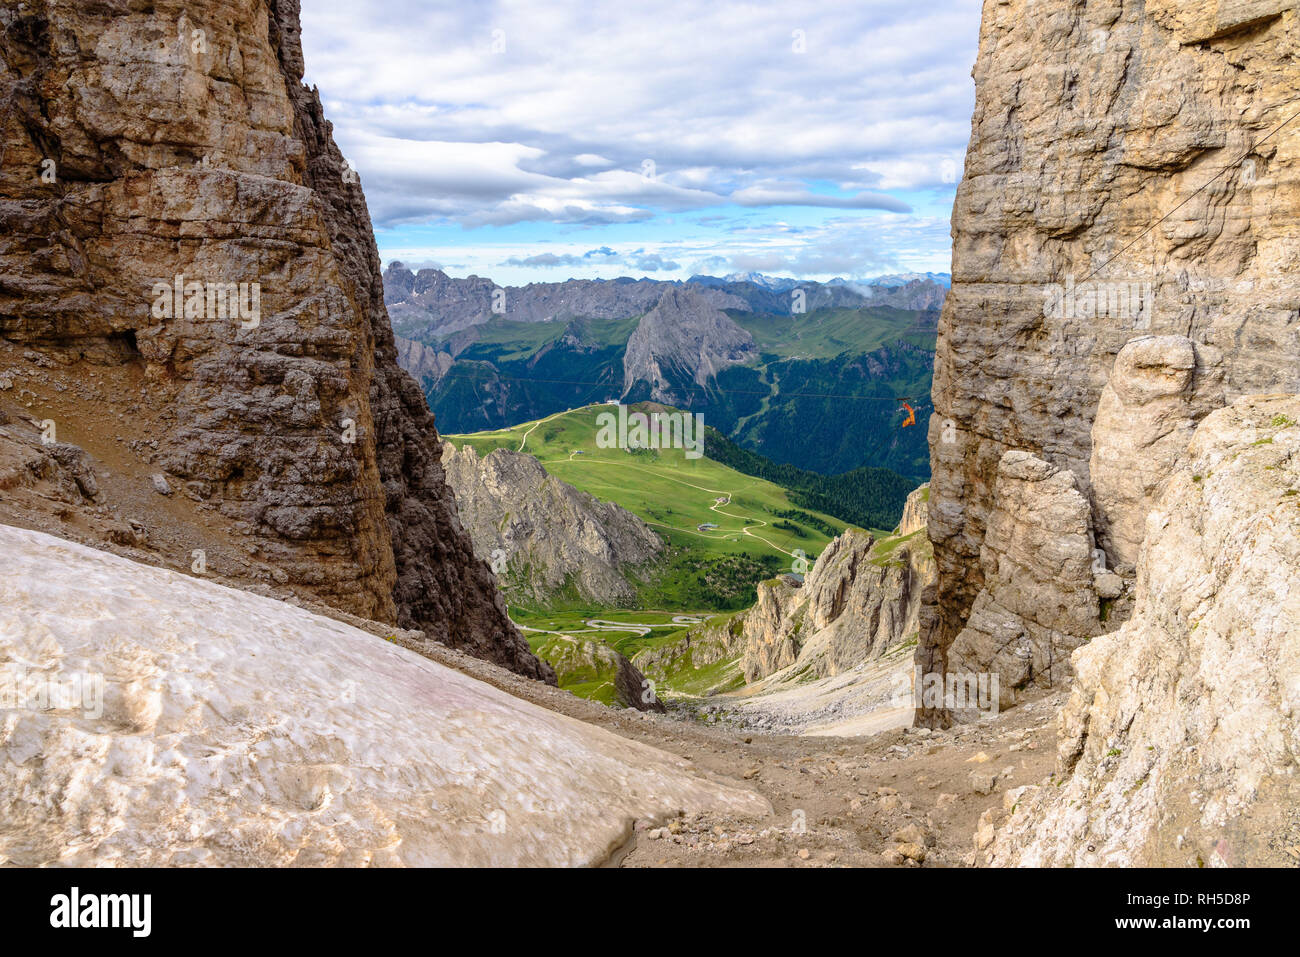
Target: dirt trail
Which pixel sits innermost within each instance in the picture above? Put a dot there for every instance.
(837, 801)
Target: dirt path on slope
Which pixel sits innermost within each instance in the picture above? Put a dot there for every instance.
(863, 801)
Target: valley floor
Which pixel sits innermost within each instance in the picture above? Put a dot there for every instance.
(871, 697)
(837, 801)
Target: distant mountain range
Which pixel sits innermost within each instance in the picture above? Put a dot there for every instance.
(877, 289)
(805, 373)
(431, 303)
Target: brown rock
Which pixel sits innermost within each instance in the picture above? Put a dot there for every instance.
(218, 165)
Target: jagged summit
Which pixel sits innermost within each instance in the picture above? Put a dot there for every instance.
(683, 339)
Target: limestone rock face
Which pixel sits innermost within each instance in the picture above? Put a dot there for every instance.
(1092, 122)
(915, 510)
(423, 362)
(1181, 735)
(773, 629)
(1145, 419)
(548, 533)
(1039, 602)
(684, 338)
(860, 599)
(154, 141)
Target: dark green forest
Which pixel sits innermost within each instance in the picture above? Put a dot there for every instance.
(823, 395)
(868, 497)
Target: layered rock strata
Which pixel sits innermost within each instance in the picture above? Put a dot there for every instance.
(172, 201)
(1129, 176)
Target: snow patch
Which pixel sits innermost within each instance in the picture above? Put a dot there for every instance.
(239, 730)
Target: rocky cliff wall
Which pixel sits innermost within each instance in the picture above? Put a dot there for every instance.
(549, 536)
(1179, 743)
(1129, 176)
(861, 598)
(146, 142)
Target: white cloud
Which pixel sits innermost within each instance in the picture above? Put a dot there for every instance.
(765, 196)
(849, 246)
(558, 121)
(570, 126)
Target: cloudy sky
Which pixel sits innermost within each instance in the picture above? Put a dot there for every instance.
(542, 140)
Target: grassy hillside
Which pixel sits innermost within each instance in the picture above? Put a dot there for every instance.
(827, 333)
(652, 639)
(708, 574)
(760, 528)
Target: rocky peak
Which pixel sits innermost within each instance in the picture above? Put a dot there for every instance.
(280, 407)
(915, 510)
(685, 338)
(399, 283)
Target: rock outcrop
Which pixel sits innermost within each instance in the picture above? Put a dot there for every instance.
(1145, 419)
(176, 212)
(154, 719)
(1126, 178)
(423, 362)
(705, 660)
(684, 339)
(546, 535)
(861, 599)
(1038, 602)
(1180, 741)
(915, 511)
(773, 629)
(594, 670)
